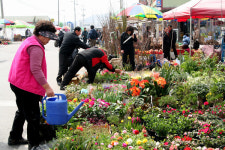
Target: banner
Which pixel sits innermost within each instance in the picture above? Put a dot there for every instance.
(158, 3)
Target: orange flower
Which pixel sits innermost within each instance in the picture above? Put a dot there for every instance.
(71, 128)
(161, 81)
(142, 83)
(120, 138)
(155, 75)
(134, 82)
(135, 91)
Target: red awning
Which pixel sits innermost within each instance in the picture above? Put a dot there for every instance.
(181, 12)
(209, 9)
(197, 9)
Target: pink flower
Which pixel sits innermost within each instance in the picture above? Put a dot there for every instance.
(206, 103)
(124, 145)
(166, 143)
(96, 143)
(164, 111)
(86, 100)
(124, 131)
(110, 146)
(183, 112)
(92, 103)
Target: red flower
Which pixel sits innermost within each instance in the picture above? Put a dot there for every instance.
(206, 103)
(166, 143)
(187, 148)
(136, 132)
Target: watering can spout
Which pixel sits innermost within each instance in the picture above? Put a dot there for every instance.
(74, 111)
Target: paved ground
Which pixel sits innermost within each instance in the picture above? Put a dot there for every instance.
(7, 98)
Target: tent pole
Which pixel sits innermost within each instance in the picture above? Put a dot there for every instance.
(190, 37)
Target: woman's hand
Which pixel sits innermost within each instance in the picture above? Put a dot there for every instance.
(49, 90)
(122, 51)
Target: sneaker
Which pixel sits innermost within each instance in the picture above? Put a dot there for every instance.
(62, 88)
(37, 148)
(59, 80)
(59, 83)
(16, 141)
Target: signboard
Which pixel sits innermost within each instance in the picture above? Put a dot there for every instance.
(158, 3)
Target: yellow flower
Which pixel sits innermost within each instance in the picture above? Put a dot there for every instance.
(112, 125)
(121, 120)
(67, 138)
(129, 117)
(145, 140)
(75, 100)
(139, 142)
(126, 142)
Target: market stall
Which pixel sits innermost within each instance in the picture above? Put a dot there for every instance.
(201, 9)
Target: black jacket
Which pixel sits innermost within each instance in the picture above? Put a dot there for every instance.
(129, 45)
(70, 42)
(96, 58)
(85, 34)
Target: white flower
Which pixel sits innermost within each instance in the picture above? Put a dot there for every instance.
(129, 141)
(199, 148)
(130, 147)
(204, 148)
(157, 144)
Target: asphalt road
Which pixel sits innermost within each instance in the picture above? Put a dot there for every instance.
(7, 97)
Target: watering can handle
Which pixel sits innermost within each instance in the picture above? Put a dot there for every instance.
(42, 102)
(63, 96)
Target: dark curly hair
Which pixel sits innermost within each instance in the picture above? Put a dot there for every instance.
(44, 25)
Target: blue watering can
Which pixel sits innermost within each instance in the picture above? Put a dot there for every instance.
(56, 110)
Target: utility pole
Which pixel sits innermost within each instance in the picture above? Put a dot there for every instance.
(74, 14)
(121, 4)
(58, 12)
(83, 16)
(2, 10)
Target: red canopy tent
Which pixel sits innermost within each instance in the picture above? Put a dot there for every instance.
(209, 9)
(182, 12)
(197, 9)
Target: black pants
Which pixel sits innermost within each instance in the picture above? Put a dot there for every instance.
(85, 40)
(131, 57)
(28, 109)
(77, 64)
(64, 63)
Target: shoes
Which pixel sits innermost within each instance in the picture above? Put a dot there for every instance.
(59, 83)
(62, 88)
(36, 148)
(59, 80)
(16, 141)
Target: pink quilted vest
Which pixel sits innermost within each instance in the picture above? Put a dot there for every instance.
(20, 74)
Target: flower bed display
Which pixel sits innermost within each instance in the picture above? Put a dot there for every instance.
(173, 107)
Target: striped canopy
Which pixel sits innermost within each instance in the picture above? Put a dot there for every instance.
(140, 10)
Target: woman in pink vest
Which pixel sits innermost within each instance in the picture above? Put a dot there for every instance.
(28, 80)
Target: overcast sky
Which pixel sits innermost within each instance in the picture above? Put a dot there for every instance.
(50, 8)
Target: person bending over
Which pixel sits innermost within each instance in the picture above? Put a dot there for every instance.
(92, 59)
